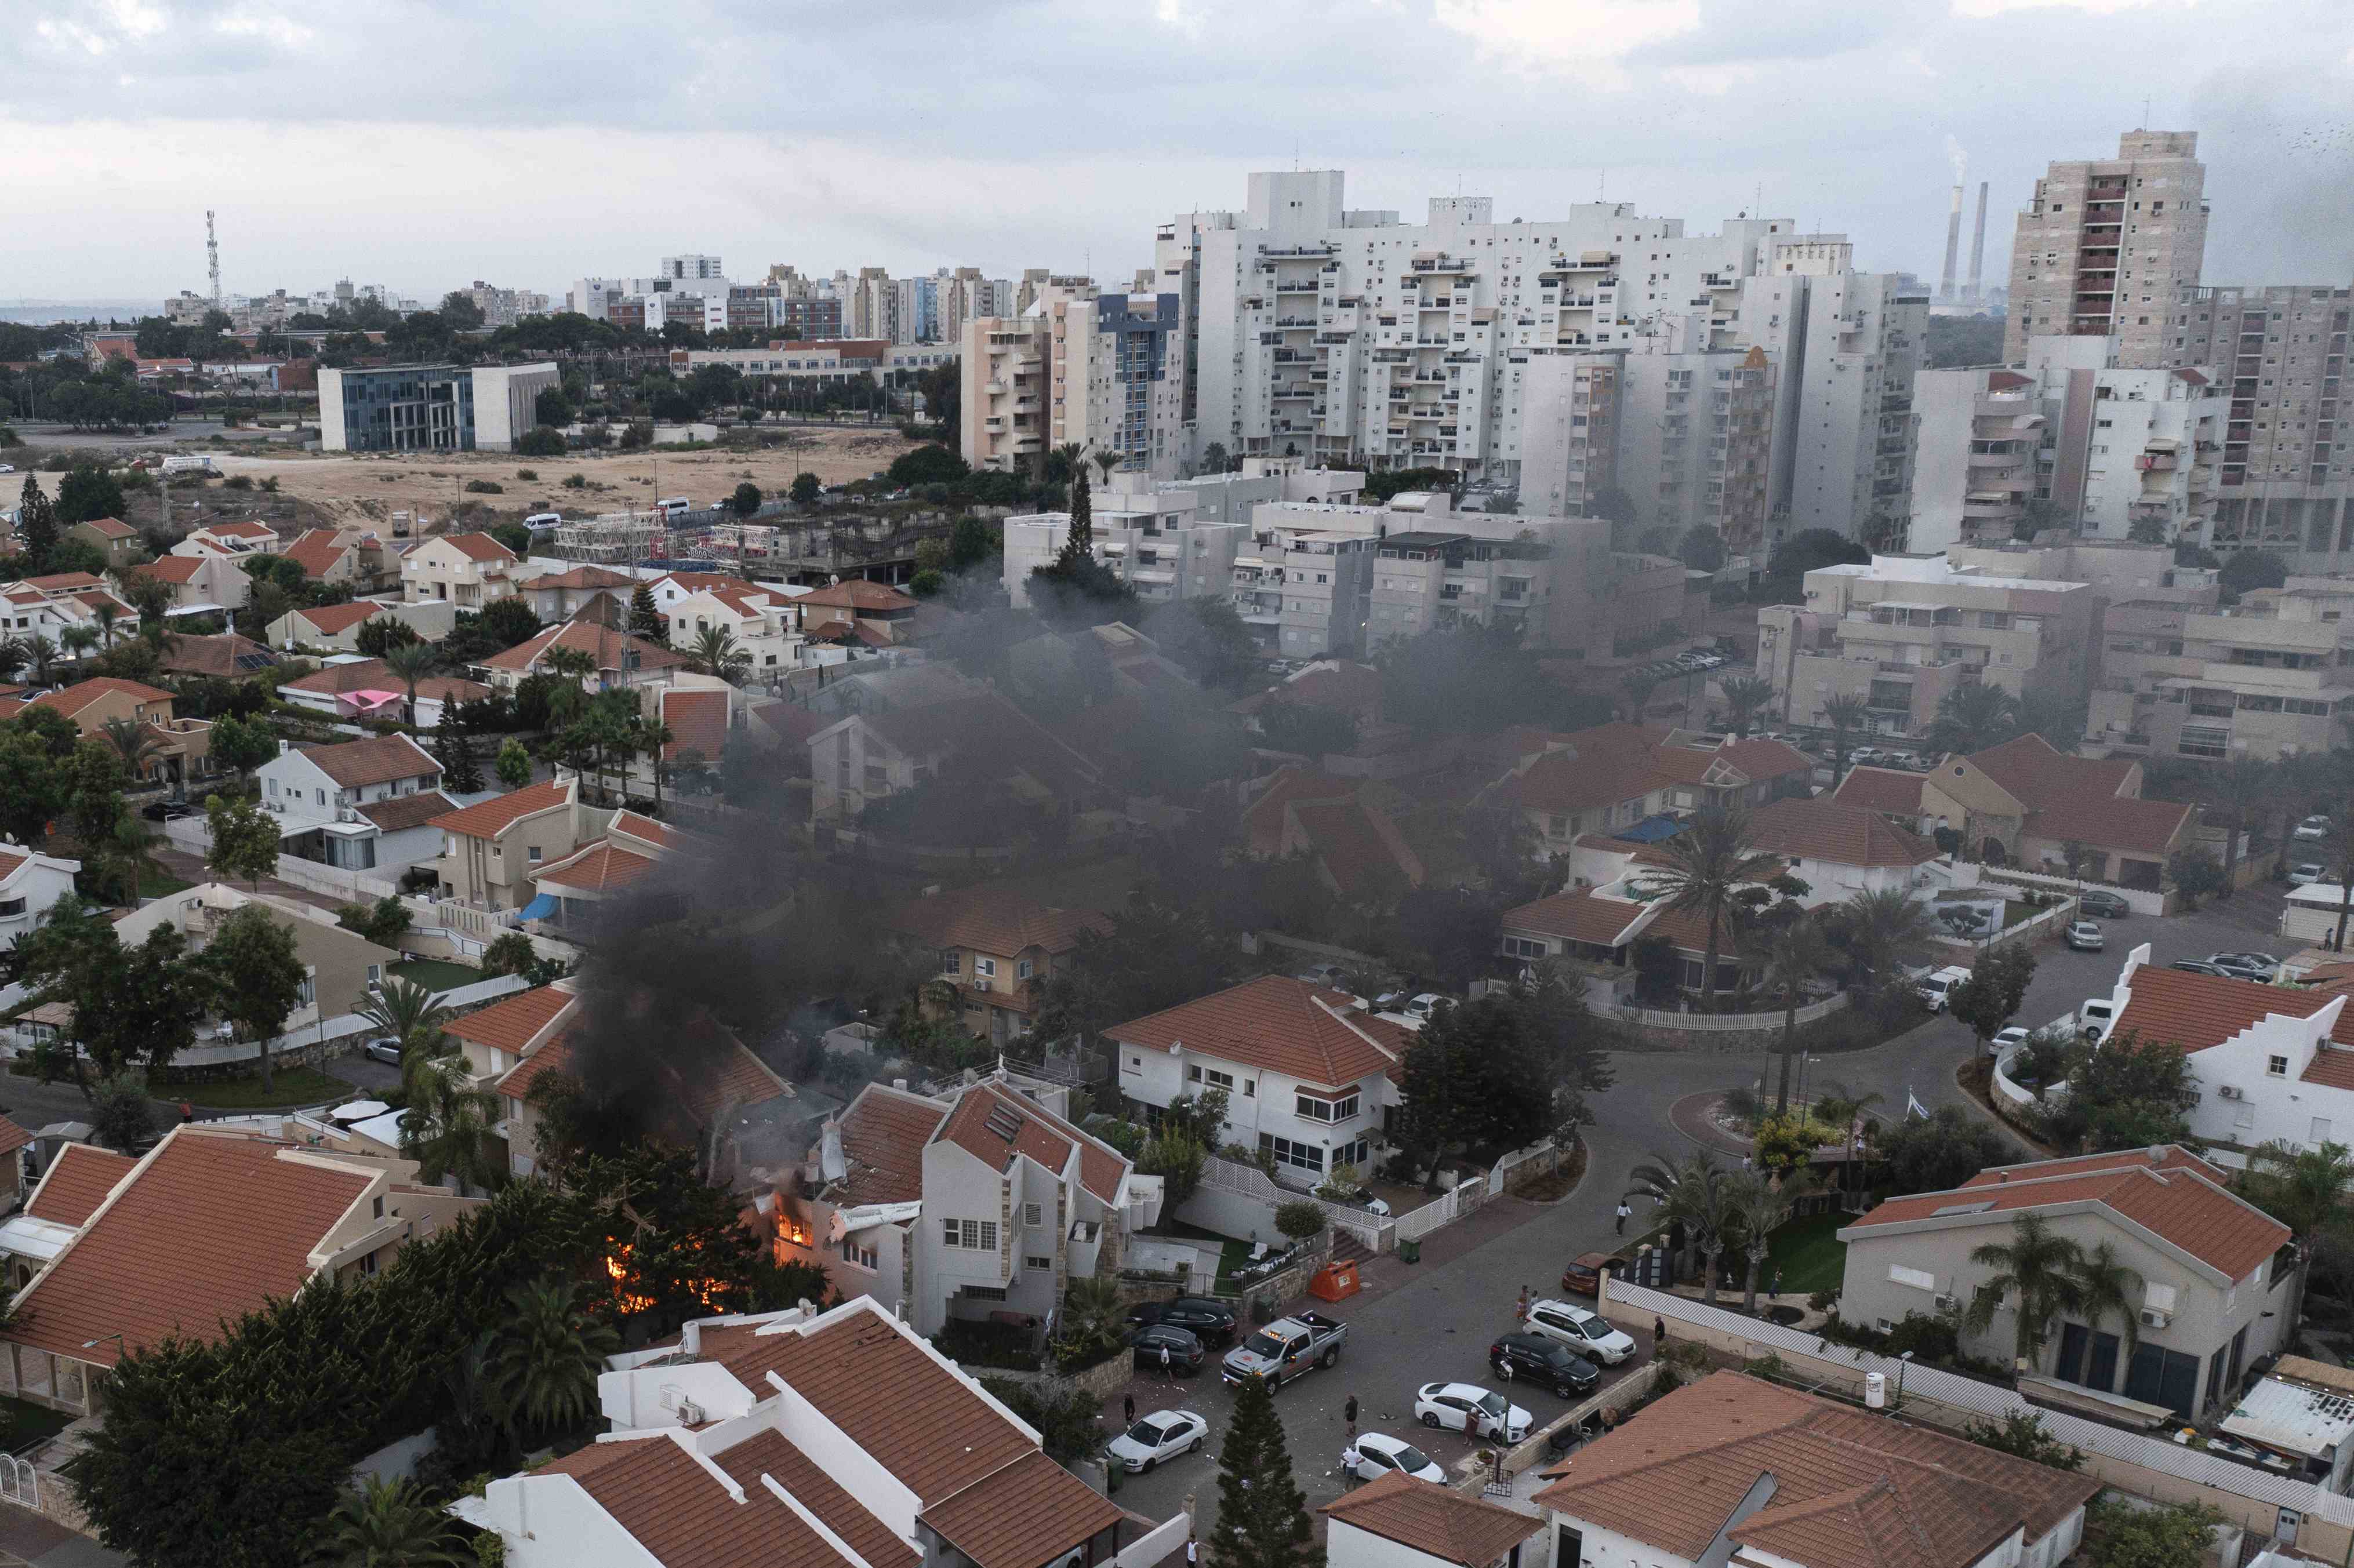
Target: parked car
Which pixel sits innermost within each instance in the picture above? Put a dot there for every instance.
(1212, 1322)
(1544, 1362)
(1587, 1333)
(1466, 1407)
(1935, 988)
(383, 1048)
(1584, 1275)
(2246, 965)
(2198, 967)
(166, 811)
(1185, 1350)
(1378, 1454)
(7, 468)
(2103, 906)
(2313, 828)
(2005, 1042)
(2084, 937)
(2306, 875)
(1425, 1006)
(1163, 1435)
(1326, 975)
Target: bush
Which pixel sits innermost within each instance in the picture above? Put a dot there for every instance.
(238, 482)
(575, 482)
(540, 441)
(485, 487)
(1300, 1219)
(527, 473)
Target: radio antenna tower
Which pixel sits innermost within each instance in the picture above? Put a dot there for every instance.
(212, 255)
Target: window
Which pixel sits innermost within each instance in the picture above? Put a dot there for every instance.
(379, 1207)
(951, 960)
(535, 854)
(1311, 1108)
(981, 1236)
(1522, 947)
(984, 1292)
(985, 967)
(1216, 1079)
(1022, 970)
(2276, 1066)
(856, 1255)
(1918, 1278)
(1299, 1156)
(1034, 1215)
(1032, 1260)
(2319, 1131)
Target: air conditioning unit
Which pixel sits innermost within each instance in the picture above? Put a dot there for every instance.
(1948, 1303)
(689, 1413)
(2151, 1318)
(2228, 1091)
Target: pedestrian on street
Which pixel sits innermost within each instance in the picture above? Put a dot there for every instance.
(1625, 1213)
(1778, 1282)
(1127, 1411)
(1521, 1312)
(1164, 1358)
(1658, 1334)
(1192, 1550)
(1349, 1415)
(1349, 1461)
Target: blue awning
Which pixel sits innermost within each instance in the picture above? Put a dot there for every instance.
(543, 907)
(1651, 829)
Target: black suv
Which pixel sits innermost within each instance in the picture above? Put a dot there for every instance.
(1210, 1322)
(1546, 1362)
(1185, 1350)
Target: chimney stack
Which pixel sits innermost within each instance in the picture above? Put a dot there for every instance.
(1975, 294)
(1953, 248)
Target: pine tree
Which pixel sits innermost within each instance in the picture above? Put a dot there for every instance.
(37, 525)
(1081, 545)
(1262, 1513)
(645, 618)
(461, 770)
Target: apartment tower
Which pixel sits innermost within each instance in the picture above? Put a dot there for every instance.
(2107, 246)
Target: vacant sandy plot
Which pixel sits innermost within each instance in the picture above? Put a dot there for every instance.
(372, 486)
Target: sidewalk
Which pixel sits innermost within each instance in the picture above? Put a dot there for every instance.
(27, 1538)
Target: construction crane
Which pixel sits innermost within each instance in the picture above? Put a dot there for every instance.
(212, 255)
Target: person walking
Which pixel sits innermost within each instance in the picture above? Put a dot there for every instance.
(1164, 1358)
(1778, 1282)
(1625, 1213)
(1349, 1415)
(1521, 1313)
(1192, 1550)
(1658, 1334)
(1127, 1411)
(1349, 1459)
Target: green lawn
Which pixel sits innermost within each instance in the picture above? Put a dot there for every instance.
(1809, 1253)
(23, 1424)
(435, 974)
(156, 881)
(294, 1086)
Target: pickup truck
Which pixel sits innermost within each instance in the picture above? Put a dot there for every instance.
(1285, 1350)
(1935, 989)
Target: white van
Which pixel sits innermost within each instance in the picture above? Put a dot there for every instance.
(1937, 989)
(542, 521)
(189, 465)
(676, 506)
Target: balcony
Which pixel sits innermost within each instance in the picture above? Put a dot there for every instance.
(2155, 462)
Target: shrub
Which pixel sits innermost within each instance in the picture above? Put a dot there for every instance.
(485, 487)
(575, 482)
(1300, 1219)
(540, 441)
(527, 473)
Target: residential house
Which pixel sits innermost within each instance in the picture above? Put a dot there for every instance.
(53, 605)
(1341, 826)
(2022, 803)
(764, 622)
(490, 848)
(232, 540)
(2208, 1269)
(78, 1181)
(1310, 1075)
(1399, 1521)
(468, 570)
(340, 968)
(2299, 1420)
(1893, 792)
(203, 584)
(619, 659)
(226, 656)
(830, 1440)
(333, 802)
(111, 538)
(1597, 927)
(997, 947)
(874, 613)
(869, 756)
(1837, 848)
(351, 687)
(1616, 775)
(981, 1205)
(1735, 1469)
(560, 596)
(334, 556)
(206, 1228)
(30, 883)
(182, 747)
(336, 626)
(574, 889)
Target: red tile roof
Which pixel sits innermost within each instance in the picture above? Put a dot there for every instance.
(512, 1023)
(1294, 781)
(80, 694)
(554, 1056)
(1020, 1515)
(1278, 1024)
(1433, 1519)
(645, 829)
(77, 1182)
(1850, 1489)
(170, 568)
(2178, 1205)
(1890, 789)
(606, 646)
(882, 1137)
(582, 577)
(239, 530)
(224, 654)
(698, 723)
(598, 868)
(2171, 1157)
(2174, 1007)
(62, 582)
(858, 595)
(112, 528)
(330, 620)
(404, 811)
(316, 551)
(488, 819)
(1043, 1136)
(207, 1229)
(2082, 799)
(994, 921)
(378, 759)
(13, 1136)
(1575, 916)
(1359, 848)
(479, 546)
(1839, 831)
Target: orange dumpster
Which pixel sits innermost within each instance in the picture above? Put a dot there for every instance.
(1333, 1281)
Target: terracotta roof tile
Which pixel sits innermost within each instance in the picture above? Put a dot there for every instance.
(1019, 1516)
(378, 759)
(488, 819)
(13, 1136)
(1278, 1024)
(169, 569)
(683, 1517)
(858, 595)
(1890, 789)
(112, 528)
(598, 868)
(645, 829)
(77, 1182)
(316, 551)
(1359, 848)
(404, 811)
(582, 577)
(516, 1083)
(1839, 831)
(2173, 1157)
(80, 696)
(512, 1023)
(224, 654)
(882, 1137)
(1042, 1136)
(2082, 799)
(2193, 1011)
(1433, 1519)
(239, 530)
(352, 675)
(698, 722)
(994, 921)
(65, 582)
(1578, 917)
(601, 644)
(207, 1229)
(331, 618)
(769, 1454)
(479, 546)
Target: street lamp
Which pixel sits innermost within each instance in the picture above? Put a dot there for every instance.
(1901, 1362)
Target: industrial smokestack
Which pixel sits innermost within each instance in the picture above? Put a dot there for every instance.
(1975, 295)
(1953, 248)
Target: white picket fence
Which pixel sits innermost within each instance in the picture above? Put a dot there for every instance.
(1445, 1209)
(1249, 1181)
(1728, 1023)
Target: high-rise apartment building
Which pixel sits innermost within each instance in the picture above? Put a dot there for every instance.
(1100, 371)
(919, 310)
(2106, 246)
(1975, 435)
(1569, 432)
(694, 269)
(1695, 441)
(1850, 455)
(873, 310)
(2283, 482)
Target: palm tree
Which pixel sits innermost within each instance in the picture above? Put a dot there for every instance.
(1886, 927)
(151, 597)
(406, 1011)
(1745, 697)
(391, 1524)
(2240, 785)
(1790, 952)
(1764, 1203)
(572, 667)
(1697, 1195)
(650, 737)
(412, 661)
(2104, 1285)
(1847, 713)
(1974, 717)
(447, 1127)
(1705, 863)
(2040, 1267)
(15, 654)
(1072, 453)
(133, 742)
(108, 615)
(40, 651)
(2301, 1188)
(1107, 460)
(714, 653)
(128, 843)
(78, 640)
(544, 1360)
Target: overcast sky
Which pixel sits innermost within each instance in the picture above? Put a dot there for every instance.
(422, 144)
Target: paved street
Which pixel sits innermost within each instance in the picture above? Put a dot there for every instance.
(1434, 1321)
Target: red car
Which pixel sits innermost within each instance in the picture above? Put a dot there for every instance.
(1583, 1276)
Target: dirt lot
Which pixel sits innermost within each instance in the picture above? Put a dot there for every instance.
(371, 487)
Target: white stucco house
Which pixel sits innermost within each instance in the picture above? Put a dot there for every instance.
(1837, 849)
(29, 883)
(362, 805)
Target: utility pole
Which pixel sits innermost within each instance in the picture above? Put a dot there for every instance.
(212, 255)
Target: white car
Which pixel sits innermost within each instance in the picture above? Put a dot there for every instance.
(2312, 829)
(1425, 1006)
(383, 1048)
(7, 468)
(1163, 1435)
(1468, 1408)
(1590, 1335)
(2004, 1044)
(1378, 1455)
(2306, 876)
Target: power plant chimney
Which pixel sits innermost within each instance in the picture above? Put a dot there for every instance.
(1953, 248)
(1975, 295)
